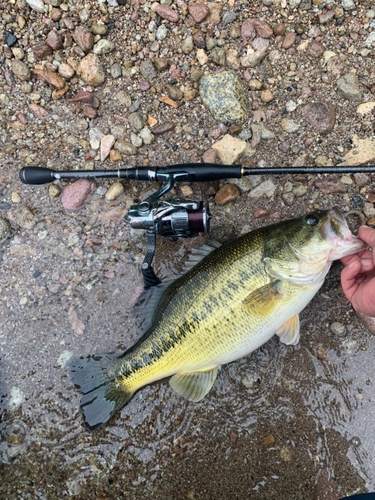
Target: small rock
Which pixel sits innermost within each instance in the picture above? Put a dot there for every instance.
(42, 51)
(365, 108)
(66, 71)
(20, 70)
(279, 29)
(361, 179)
(26, 219)
(327, 186)
(224, 96)
(55, 40)
(300, 190)
(252, 27)
(10, 39)
(218, 56)
(198, 11)
(325, 17)
(229, 149)
(321, 116)
(146, 136)
(322, 161)
(161, 32)
(51, 78)
(290, 106)
(75, 195)
(37, 5)
(135, 121)
(268, 440)
(289, 40)
(106, 145)
(114, 156)
(99, 29)
(288, 199)
(148, 70)
(315, 49)
(266, 188)
(285, 454)
(167, 13)
(198, 40)
(252, 60)
(362, 153)
(187, 44)
(125, 148)
(103, 47)
(163, 127)
(348, 5)
(15, 197)
(266, 95)
(116, 190)
(202, 57)
(5, 229)
(260, 212)
(161, 63)
(226, 194)
(289, 126)
(54, 191)
(337, 328)
(209, 156)
(136, 140)
(91, 70)
(348, 87)
(369, 210)
(83, 38)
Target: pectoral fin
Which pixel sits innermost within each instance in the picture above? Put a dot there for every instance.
(289, 331)
(263, 300)
(193, 386)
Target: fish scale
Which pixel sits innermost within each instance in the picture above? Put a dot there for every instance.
(226, 306)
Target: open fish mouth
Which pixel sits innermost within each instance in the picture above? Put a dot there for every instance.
(337, 231)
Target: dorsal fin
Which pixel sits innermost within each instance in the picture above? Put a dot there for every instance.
(197, 254)
(147, 302)
(144, 308)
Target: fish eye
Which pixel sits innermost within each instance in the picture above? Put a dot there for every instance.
(311, 220)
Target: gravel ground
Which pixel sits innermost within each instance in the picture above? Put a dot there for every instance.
(105, 86)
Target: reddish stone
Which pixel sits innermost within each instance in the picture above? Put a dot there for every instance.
(289, 40)
(84, 97)
(279, 29)
(327, 186)
(260, 212)
(198, 11)
(42, 51)
(83, 38)
(90, 112)
(199, 41)
(325, 17)
(75, 195)
(315, 49)
(321, 116)
(167, 13)
(226, 194)
(55, 40)
(163, 127)
(253, 27)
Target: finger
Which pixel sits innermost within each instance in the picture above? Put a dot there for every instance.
(350, 258)
(348, 278)
(367, 234)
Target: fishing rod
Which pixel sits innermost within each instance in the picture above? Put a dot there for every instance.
(173, 218)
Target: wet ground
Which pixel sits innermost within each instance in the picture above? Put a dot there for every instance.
(282, 423)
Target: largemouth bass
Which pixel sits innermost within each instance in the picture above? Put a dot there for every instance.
(231, 300)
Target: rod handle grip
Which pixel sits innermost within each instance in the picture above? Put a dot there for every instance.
(36, 175)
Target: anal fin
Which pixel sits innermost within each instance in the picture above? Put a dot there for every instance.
(193, 386)
(289, 331)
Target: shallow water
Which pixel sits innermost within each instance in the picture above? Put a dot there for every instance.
(272, 422)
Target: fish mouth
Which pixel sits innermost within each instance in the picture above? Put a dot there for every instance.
(335, 229)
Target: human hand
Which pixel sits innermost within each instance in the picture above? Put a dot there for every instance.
(358, 275)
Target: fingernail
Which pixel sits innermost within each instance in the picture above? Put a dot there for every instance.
(352, 264)
(366, 262)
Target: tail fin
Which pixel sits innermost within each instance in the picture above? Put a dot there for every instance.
(94, 376)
